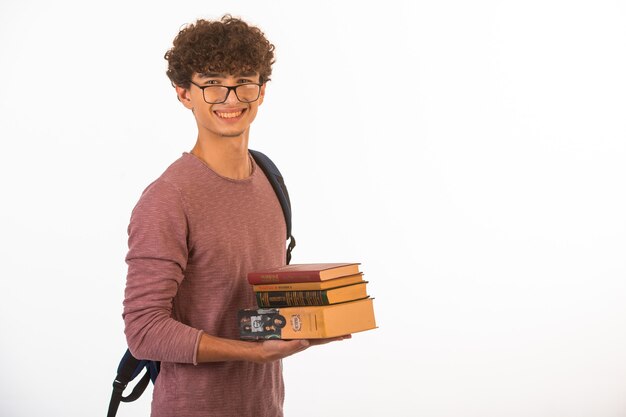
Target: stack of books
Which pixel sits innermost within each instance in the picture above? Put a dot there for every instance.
(308, 301)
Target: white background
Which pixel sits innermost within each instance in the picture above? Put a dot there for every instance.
(470, 154)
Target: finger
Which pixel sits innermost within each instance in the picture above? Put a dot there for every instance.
(328, 340)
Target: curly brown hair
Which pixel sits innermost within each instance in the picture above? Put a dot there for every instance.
(226, 46)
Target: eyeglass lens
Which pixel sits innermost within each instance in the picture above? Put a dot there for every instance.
(245, 92)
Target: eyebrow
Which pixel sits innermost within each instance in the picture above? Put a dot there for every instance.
(247, 74)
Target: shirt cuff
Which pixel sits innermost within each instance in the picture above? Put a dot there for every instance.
(195, 351)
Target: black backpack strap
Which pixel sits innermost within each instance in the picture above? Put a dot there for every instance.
(128, 369)
(278, 184)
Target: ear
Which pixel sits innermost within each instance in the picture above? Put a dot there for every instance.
(184, 96)
(262, 95)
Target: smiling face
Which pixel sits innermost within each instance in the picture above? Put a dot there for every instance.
(229, 119)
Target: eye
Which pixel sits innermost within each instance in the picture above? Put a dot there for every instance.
(211, 82)
(244, 81)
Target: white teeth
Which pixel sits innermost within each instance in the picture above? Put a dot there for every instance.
(229, 115)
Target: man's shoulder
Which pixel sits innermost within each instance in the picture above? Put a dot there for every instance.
(180, 174)
(180, 170)
(172, 180)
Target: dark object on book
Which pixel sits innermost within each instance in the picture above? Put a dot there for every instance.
(130, 366)
(303, 273)
(311, 298)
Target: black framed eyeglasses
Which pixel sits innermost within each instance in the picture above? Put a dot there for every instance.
(217, 94)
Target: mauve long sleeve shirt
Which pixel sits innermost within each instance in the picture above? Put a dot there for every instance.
(193, 237)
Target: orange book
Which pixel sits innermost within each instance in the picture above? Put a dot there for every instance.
(316, 322)
(310, 286)
(303, 273)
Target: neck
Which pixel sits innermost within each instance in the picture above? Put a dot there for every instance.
(227, 156)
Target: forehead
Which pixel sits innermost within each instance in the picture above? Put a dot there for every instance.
(210, 74)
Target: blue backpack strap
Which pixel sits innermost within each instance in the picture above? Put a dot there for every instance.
(278, 184)
(128, 369)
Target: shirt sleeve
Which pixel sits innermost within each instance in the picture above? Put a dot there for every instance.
(157, 258)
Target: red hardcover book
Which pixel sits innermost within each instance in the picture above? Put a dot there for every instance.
(303, 273)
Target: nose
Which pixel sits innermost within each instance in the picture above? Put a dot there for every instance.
(231, 97)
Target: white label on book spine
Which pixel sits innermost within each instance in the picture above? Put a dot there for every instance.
(256, 324)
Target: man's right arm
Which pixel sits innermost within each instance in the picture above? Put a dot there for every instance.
(216, 349)
(157, 257)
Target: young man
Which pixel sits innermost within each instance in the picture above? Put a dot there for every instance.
(197, 230)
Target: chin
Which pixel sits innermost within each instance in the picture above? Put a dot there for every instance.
(232, 134)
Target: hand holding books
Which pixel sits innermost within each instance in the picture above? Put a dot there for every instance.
(278, 349)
